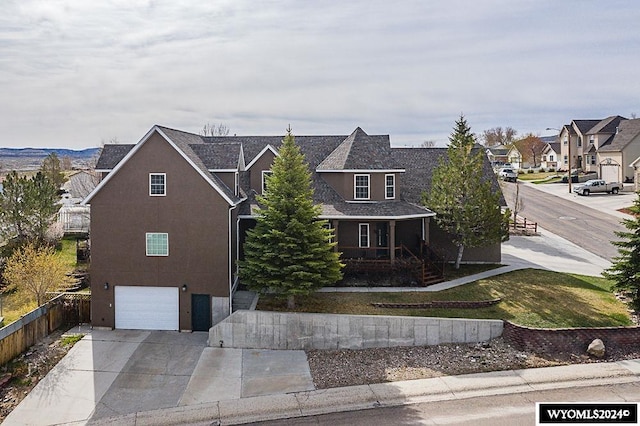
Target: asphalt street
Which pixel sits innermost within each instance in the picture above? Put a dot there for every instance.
(495, 410)
(571, 219)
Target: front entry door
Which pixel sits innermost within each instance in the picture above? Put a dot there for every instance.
(382, 240)
(200, 312)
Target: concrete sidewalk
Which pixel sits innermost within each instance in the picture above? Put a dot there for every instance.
(309, 403)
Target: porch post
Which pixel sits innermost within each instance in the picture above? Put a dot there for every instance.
(334, 224)
(392, 240)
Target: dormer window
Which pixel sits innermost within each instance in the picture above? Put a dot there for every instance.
(361, 187)
(265, 174)
(389, 187)
(157, 184)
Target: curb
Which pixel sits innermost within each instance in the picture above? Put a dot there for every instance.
(352, 398)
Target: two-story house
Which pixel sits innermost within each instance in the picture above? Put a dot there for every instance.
(551, 153)
(592, 147)
(169, 217)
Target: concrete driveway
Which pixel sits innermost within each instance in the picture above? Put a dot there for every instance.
(119, 372)
(112, 372)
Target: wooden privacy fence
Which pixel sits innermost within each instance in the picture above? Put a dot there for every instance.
(18, 336)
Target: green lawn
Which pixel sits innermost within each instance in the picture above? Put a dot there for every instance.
(536, 176)
(530, 297)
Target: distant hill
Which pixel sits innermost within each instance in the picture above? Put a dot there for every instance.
(26, 159)
(43, 152)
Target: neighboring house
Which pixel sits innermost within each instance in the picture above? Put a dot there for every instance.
(498, 155)
(73, 216)
(616, 154)
(169, 217)
(515, 158)
(592, 148)
(551, 153)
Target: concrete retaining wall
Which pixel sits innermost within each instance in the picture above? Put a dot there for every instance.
(280, 330)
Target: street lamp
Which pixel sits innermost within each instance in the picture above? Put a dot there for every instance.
(568, 153)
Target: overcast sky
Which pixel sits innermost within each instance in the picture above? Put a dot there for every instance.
(77, 73)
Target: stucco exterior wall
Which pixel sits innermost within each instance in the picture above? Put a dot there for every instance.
(344, 184)
(194, 215)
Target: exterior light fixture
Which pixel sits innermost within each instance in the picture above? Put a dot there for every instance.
(106, 286)
(184, 287)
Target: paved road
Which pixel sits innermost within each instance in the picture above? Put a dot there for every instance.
(588, 228)
(511, 409)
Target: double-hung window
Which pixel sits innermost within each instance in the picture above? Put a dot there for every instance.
(265, 175)
(363, 234)
(361, 187)
(389, 187)
(157, 184)
(157, 244)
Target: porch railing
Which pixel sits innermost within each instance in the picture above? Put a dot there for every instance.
(427, 265)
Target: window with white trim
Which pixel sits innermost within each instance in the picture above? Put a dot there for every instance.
(361, 187)
(363, 235)
(157, 184)
(592, 139)
(157, 244)
(593, 159)
(265, 173)
(389, 187)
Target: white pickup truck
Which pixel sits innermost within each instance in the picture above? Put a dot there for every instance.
(597, 185)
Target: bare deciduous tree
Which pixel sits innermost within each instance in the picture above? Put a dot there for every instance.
(215, 130)
(429, 143)
(499, 136)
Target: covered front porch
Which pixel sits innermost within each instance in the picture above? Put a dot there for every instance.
(391, 246)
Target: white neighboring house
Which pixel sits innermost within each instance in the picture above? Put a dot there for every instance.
(73, 216)
(550, 156)
(515, 158)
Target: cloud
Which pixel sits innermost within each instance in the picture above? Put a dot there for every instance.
(74, 73)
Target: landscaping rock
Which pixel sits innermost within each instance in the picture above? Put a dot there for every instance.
(596, 348)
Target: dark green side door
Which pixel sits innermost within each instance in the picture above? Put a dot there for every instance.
(200, 312)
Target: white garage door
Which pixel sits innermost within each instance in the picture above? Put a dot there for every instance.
(609, 172)
(146, 308)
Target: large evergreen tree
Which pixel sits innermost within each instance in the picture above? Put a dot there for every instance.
(464, 201)
(625, 269)
(289, 252)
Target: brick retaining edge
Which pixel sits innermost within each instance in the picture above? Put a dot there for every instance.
(574, 340)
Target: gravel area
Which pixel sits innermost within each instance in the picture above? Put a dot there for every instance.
(336, 368)
(26, 370)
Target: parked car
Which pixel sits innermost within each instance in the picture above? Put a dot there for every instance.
(597, 185)
(507, 174)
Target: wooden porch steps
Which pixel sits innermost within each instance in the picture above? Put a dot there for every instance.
(431, 277)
